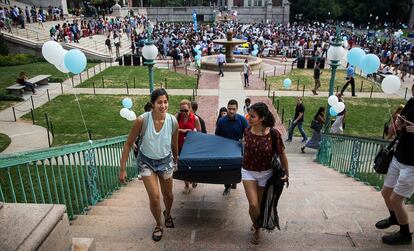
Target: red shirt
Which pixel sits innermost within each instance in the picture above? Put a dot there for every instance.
(190, 124)
(258, 150)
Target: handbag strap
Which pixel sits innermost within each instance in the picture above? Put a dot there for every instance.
(391, 145)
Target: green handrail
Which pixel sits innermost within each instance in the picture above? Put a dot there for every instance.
(353, 156)
(77, 175)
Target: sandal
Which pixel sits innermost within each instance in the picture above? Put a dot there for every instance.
(168, 221)
(194, 185)
(256, 237)
(157, 237)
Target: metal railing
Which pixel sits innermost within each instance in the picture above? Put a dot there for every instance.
(353, 156)
(77, 175)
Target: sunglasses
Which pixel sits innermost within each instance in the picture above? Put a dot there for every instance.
(183, 110)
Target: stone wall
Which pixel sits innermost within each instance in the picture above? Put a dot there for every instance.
(245, 14)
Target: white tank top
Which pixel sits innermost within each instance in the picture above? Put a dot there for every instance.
(157, 145)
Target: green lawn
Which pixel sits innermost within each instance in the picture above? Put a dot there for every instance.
(117, 76)
(305, 77)
(365, 117)
(101, 114)
(8, 75)
(4, 142)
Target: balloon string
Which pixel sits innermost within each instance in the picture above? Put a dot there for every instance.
(80, 109)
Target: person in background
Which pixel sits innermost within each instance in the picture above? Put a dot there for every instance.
(316, 77)
(339, 124)
(221, 61)
(222, 113)
(187, 122)
(247, 103)
(350, 75)
(232, 127)
(194, 107)
(298, 121)
(22, 79)
(247, 71)
(318, 121)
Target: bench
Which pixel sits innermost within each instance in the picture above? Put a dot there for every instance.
(36, 81)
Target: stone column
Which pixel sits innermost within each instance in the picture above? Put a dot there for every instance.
(230, 4)
(64, 5)
(116, 9)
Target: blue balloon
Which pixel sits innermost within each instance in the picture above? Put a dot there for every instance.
(199, 53)
(370, 64)
(254, 53)
(127, 103)
(332, 111)
(75, 61)
(287, 83)
(255, 46)
(355, 56)
(197, 57)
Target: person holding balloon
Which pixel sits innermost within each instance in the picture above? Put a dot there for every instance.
(338, 125)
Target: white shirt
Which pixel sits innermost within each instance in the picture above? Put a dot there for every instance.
(157, 145)
(2, 14)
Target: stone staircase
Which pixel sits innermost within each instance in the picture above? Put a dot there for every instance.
(94, 47)
(321, 210)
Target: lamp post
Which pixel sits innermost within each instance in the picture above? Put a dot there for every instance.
(150, 52)
(334, 55)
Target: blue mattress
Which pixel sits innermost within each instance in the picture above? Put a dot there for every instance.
(207, 158)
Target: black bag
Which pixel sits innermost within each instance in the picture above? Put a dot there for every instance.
(315, 125)
(384, 157)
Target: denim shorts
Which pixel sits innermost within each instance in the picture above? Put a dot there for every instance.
(163, 167)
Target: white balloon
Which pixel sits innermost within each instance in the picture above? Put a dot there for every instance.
(61, 66)
(124, 112)
(390, 84)
(131, 116)
(51, 51)
(333, 100)
(339, 107)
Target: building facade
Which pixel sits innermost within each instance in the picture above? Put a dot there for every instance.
(247, 11)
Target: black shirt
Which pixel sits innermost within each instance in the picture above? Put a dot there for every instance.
(202, 124)
(405, 148)
(299, 109)
(316, 72)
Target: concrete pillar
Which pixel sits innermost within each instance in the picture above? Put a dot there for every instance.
(230, 4)
(64, 5)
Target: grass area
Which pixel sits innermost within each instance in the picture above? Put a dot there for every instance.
(305, 77)
(137, 77)
(8, 75)
(4, 142)
(365, 117)
(101, 114)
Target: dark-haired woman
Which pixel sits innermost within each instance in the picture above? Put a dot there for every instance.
(222, 113)
(318, 121)
(258, 153)
(157, 155)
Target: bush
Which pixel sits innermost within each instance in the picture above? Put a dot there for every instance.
(9, 97)
(3, 47)
(56, 80)
(18, 59)
(98, 61)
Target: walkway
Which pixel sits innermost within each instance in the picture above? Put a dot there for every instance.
(321, 210)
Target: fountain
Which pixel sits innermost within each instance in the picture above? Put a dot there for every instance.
(234, 62)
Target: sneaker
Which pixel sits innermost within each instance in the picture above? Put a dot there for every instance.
(226, 191)
(397, 238)
(355, 95)
(288, 140)
(233, 186)
(385, 223)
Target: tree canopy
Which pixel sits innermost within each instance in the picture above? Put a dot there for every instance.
(356, 11)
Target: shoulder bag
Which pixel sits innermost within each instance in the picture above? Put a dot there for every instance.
(384, 157)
